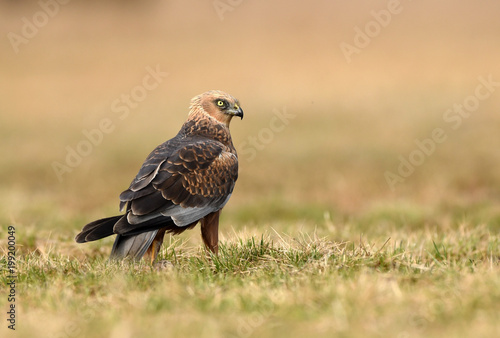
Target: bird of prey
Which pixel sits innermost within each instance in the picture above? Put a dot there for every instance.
(186, 180)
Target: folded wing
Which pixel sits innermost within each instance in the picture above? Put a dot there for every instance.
(184, 180)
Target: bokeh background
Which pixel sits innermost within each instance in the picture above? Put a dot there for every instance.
(350, 120)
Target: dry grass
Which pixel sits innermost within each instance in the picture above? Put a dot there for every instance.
(406, 286)
(304, 233)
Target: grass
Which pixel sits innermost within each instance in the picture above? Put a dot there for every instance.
(272, 285)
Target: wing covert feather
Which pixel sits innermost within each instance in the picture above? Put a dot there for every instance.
(197, 173)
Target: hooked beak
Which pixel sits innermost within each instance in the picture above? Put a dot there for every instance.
(237, 111)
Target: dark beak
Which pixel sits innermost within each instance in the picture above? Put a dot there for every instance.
(236, 111)
(239, 113)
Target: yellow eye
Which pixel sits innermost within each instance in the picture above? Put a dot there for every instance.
(220, 103)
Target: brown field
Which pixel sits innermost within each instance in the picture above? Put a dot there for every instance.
(320, 173)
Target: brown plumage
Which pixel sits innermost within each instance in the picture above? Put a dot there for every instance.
(184, 180)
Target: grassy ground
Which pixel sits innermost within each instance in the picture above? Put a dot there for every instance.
(314, 241)
(421, 282)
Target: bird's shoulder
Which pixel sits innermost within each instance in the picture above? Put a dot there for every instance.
(200, 125)
(188, 155)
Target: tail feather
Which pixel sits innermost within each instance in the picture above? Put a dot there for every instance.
(132, 240)
(97, 229)
(132, 246)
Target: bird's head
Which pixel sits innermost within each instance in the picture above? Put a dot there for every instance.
(218, 105)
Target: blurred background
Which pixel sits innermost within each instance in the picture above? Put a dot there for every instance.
(335, 95)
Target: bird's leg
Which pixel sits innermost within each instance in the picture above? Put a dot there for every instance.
(210, 231)
(155, 246)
